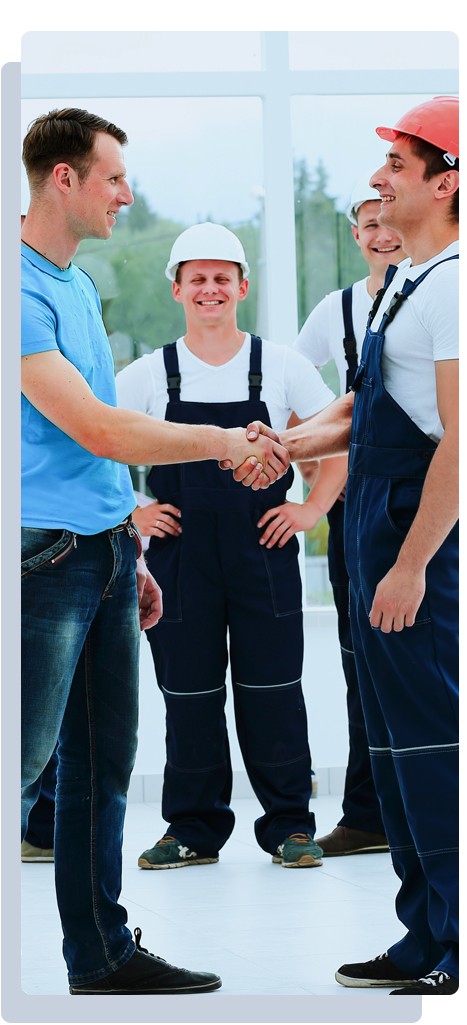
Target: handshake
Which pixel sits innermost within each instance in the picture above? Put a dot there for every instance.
(268, 461)
(259, 456)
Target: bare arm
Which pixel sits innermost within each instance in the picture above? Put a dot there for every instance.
(57, 389)
(309, 469)
(285, 520)
(398, 596)
(326, 434)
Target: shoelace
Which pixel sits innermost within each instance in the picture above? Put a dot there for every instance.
(380, 957)
(138, 934)
(435, 978)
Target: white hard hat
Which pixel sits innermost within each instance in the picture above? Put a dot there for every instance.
(206, 241)
(362, 193)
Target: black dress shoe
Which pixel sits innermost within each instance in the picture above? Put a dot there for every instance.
(146, 973)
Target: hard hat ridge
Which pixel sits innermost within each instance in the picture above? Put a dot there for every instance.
(206, 241)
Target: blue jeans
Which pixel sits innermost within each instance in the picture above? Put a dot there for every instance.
(80, 655)
(41, 820)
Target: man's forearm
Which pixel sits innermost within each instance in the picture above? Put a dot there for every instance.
(57, 389)
(438, 510)
(329, 485)
(130, 437)
(326, 434)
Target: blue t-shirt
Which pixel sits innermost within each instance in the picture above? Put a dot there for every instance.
(64, 485)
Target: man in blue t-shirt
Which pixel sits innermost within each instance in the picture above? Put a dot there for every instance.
(81, 572)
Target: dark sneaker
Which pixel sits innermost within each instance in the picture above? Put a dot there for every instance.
(30, 853)
(170, 853)
(298, 851)
(380, 971)
(146, 973)
(434, 984)
(351, 841)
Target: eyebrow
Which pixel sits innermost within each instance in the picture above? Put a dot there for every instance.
(203, 274)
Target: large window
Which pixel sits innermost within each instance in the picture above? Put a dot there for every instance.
(265, 132)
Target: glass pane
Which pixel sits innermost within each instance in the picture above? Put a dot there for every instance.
(366, 51)
(183, 153)
(98, 52)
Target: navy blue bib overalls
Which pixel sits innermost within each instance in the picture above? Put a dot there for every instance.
(217, 580)
(360, 803)
(408, 679)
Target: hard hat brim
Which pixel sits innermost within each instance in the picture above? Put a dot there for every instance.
(387, 133)
(171, 269)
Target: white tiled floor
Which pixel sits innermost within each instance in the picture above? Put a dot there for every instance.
(263, 928)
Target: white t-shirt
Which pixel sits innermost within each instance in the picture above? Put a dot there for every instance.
(290, 382)
(322, 335)
(424, 330)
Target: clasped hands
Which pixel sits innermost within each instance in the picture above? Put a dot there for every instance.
(269, 459)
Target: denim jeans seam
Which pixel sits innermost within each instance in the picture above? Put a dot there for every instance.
(102, 973)
(94, 884)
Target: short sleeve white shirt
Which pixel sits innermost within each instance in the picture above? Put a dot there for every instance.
(321, 338)
(290, 382)
(424, 331)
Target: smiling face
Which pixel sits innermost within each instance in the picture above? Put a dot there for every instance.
(209, 290)
(380, 245)
(96, 201)
(406, 195)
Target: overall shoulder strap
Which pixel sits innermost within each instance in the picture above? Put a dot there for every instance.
(349, 340)
(408, 287)
(390, 272)
(173, 372)
(255, 376)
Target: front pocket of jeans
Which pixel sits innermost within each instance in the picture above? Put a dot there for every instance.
(42, 549)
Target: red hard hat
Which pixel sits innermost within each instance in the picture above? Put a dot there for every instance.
(436, 121)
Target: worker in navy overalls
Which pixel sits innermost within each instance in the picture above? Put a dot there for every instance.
(401, 526)
(401, 546)
(226, 597)
(334, 331)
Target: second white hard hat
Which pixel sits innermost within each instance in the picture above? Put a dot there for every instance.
(362, 193)
(207, 241)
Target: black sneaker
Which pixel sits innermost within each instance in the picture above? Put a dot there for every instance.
(146, 973)
(380, 971)
(435, 984)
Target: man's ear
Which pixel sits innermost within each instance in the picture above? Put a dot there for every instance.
(243, 289)
(62, 176)
(448, 184)
(176, 291)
